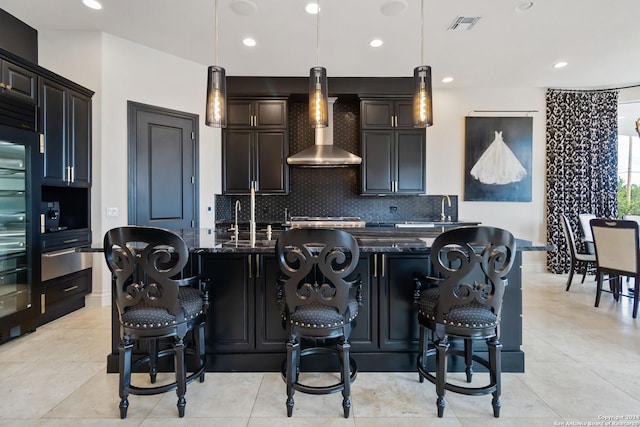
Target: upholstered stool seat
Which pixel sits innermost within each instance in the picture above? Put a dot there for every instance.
(464, 302)
(153, 305)
(318, 305)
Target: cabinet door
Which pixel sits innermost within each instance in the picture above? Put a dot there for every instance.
(19, 82)
(399, 327)
(80, 138)
(364, 336)
(378, 170)
(410, 155)
(271, 334)
(404, 113)
(53, 102)
(376, 114)
(271, 114)
(231, 314)
(271, 169)
(237, 161)
(240, 113)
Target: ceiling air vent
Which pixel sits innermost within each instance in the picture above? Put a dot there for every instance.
(463, 23)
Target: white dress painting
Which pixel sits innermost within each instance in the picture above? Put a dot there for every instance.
(498, 165)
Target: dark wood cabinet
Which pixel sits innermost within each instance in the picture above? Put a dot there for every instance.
(231, 319)
(393, 152)
(385, 114)
(18, 82)
(255, 146)
(398, 316)
(64, 294)
(393, 161)
(65, 121)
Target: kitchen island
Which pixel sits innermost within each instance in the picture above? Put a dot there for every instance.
(244, 328)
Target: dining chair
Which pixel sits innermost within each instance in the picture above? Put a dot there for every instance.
(617, 254)
(318, 304)
(578, 259)
(465, 303)
(153, 305)
(585, 228)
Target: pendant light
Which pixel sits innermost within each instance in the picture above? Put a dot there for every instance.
(318, 92)
(422, 108)
(216, 114)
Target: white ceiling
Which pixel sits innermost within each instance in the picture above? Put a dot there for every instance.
(598, 38)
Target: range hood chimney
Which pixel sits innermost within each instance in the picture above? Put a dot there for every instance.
(323, 153)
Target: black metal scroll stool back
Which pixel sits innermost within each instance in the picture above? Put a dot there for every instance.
(152, 304)
(465, 303)
(318, 304)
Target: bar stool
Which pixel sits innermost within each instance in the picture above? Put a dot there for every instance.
(318, 304)
(464, 303)
(152, 305)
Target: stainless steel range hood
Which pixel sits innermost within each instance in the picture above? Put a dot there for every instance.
(323, 153)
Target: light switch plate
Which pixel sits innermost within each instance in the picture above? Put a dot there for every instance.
(112, 211)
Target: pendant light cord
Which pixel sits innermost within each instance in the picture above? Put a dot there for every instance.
(422, 32)
(215, 7)
(318, 34)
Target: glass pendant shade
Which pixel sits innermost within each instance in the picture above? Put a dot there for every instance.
(216, 114)
(318, 98)
(422, 110)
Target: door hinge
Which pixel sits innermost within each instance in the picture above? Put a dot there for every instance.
(42, 143)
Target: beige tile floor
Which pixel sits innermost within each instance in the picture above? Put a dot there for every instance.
(582, 364)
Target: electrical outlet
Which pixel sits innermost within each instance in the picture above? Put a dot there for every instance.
(112, 211)
(393, 209)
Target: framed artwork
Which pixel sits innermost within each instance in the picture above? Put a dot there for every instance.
(498, 159)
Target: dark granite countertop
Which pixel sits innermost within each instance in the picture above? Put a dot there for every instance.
(370, 239)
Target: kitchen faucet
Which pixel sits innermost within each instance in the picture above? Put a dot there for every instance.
(442, 216)
(234, 228)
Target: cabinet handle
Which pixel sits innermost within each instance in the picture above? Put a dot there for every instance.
(375, 265)
(70, 241)
(73, 173)
(55, 254)
(391, 121)
(70, 288)
(382, 265)
(43, 306)
(250, 269)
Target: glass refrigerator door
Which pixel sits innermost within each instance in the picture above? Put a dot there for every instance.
(15, 275)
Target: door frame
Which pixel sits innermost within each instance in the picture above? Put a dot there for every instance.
(132, 111)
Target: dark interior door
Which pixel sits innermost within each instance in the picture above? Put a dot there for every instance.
(162, 167)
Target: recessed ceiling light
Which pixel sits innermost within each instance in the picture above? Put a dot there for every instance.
(524, 6)
(393, 7)
(375, 43)
(447, 80)
(312, 8)
(93, 4)
(243, 7)
(560, 64)
(249, 42)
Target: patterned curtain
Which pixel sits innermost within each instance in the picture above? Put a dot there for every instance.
(582, 162)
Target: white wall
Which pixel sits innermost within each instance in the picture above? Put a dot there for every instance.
(120, 71)
(445, 160)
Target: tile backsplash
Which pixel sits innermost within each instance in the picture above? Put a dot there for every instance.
(332, 191)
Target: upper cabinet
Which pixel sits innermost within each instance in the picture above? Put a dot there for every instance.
(18, 82)
(257, 113)
(386, 113)
(393, 152)
(65, 121)
(255, 146)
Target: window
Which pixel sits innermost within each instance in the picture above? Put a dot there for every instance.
(628, 175)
